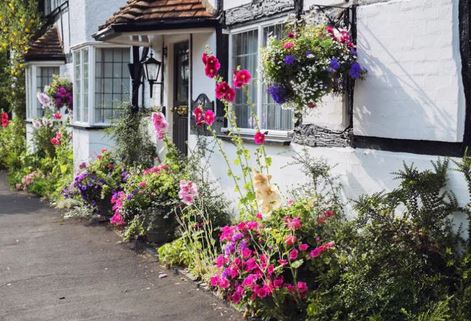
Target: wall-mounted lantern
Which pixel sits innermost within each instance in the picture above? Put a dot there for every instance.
(152, 71)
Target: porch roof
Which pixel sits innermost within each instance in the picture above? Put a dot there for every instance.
(151, 15)
(47, 47)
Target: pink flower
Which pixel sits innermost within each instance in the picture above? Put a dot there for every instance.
(160, 124)
(225, 92)
(321, 249)
(329, 213)
(212, 65)
(43, 99)
(83, 165)
(198, 114)
(291, 35)
(288, 45)
(246, 253)
(188, 192)
(282, 262)
(303, 247)
(242, 78)
(278, 282)
(55, 141)
(293, 254)
(57, 115)
(290, 240)
(259, 216)
(117, 219)
(214, 280)
(293, 223)
(4, 119)
(302, 288)
(220, 261)
(259, 138)
(142, 184)
(209, 117)
(224, 283)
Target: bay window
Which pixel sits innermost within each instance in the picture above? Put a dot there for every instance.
(37, 77)
(245, 51)
(101, 84)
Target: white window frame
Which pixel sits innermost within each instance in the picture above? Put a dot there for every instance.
(32, 102)
(92, 47)
(259, 99)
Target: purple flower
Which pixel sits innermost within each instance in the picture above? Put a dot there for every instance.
(355, 70)
(353, 51)
(334, 65)
(278, 93)
(289, 60)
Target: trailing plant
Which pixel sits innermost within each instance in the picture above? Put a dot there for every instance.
(311, 62)
(133, 144)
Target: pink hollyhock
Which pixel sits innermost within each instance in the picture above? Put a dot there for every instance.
(293, 223)
(242, 78)
(290, 240)
(198, 114)
(259, 138)
(288, 45)
(204, 58)
(224, 92)
(293, 254)
(210, 71)
(57, 115)
(160, 124)
(303, 247)
(117, 219)
(188, 192)
(209, 117)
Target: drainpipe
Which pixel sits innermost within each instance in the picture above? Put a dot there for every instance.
(298, 8)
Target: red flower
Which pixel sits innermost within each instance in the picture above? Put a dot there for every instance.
(198, 114)
(329, 213)
(57, 115)
(209, 117)
(303, 247)
(291, 35)
(212, 65)
(55, 141)
(259, 138)
(290, 240)
(4, 120)
(242, 78)
(293, 254)
(225, 92)
(288, 45)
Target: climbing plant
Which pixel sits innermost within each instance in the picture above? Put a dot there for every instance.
(19, 20)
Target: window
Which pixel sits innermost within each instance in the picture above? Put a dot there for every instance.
(112, 82)
(246, 52)
(101, 83)
(37, 77)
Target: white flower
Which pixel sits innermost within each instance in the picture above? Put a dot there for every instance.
(43, 99)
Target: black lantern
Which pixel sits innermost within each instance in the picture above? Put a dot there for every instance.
(152, 70)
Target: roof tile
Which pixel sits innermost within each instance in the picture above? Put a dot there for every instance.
(160, 10)
(46, 47)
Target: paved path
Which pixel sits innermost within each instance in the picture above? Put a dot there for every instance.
(56, 270)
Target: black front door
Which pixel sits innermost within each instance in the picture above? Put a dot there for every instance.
(181, 95)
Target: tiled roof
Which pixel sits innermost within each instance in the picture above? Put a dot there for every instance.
(46, 47)
(147, 11)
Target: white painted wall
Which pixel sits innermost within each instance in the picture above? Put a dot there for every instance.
(414, 88)
(228, 4)
(87, 144)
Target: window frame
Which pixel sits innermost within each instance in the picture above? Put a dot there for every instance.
(31, 84)
(259, 99)
(92, 48)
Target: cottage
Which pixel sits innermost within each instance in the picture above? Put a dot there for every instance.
(412, 107)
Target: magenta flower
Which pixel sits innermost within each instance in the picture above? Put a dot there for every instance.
(117, 219)
(291, 240)
(198, 114)
(259, 138)
(242, 78)
(209, 117)
(293, 223)
(224, 92)
(303, 247)
(188, 192)
(288, 45)
(293, 254)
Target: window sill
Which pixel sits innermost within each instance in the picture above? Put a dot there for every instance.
(269, 140)
(90, 127)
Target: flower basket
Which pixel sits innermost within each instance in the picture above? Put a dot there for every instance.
(308, 64)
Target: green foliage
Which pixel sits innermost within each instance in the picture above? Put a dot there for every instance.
(175, 253)
(133, 144)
